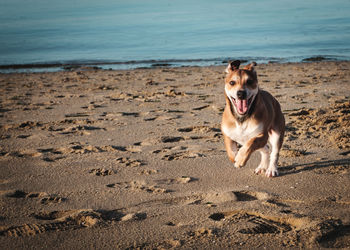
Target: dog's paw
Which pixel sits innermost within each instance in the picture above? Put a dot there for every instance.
(240, 160)
(271, 172)
(260, 170)
(237, 165)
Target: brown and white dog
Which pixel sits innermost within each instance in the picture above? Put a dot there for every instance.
(252, 118)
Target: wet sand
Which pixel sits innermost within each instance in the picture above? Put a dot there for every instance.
(134, 159)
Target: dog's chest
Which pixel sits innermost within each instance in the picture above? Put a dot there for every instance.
(243, 132)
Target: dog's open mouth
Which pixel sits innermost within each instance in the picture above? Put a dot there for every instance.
(242, 105)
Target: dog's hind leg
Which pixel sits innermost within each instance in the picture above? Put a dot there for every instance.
(276, 144)
(265, 159)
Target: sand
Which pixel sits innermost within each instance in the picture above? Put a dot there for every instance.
(135, 159)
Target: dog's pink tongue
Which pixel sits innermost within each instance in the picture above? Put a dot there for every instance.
(242, 106)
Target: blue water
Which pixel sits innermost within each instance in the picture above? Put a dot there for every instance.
(66, 31)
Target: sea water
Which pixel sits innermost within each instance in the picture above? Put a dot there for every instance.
(133, 33)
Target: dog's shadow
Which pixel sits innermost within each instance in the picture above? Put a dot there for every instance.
(298, 168)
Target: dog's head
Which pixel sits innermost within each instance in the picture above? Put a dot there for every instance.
(241, 86)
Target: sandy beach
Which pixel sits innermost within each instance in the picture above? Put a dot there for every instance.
(135, 159)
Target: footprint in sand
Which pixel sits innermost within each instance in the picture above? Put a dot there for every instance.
(323, 232)
(182, 152)
(163, 118)
(147, 142)
(164, 115)
(148, 172)
(80, 130)
(170, 139)
(101, 172)
(52, 200)
(24, 136)
(201, 107)
(254, 223)
(22, 194)
(139, 186)
(180, 180)
(212, 133)
(55, 126)
(79, 114)
(234, 196)
(130, 114)
(290, 152)
(24, 126)
(43, 197)
(78, 148)
(205, 232)
(93, 106)
(128, 162)
(182, 155)
(200, 129)
(23, 153)
(167, 244)
(68, 220)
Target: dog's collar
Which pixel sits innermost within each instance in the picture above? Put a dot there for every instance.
(242, 118)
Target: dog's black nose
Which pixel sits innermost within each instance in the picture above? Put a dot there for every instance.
(241, 94)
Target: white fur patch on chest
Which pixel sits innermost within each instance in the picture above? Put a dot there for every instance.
(243, 131)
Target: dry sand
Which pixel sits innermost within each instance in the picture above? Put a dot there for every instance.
(135, 159)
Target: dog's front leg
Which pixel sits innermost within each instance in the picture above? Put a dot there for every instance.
(231, 148)
(247, 149)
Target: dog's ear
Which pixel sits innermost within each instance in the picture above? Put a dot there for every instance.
(233, 66)
(250, 66)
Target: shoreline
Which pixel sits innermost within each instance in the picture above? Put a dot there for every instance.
(149, 64)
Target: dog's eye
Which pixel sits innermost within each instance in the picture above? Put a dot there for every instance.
(232, 83)
(250, 82)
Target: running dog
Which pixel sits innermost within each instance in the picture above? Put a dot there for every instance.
(252, 118)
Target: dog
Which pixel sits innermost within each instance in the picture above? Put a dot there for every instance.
(252, 118)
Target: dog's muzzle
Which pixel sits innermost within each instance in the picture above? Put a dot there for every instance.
(242, 103)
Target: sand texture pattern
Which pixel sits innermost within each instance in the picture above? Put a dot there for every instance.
(135, 159)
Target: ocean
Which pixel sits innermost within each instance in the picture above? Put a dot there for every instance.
(51, 35)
